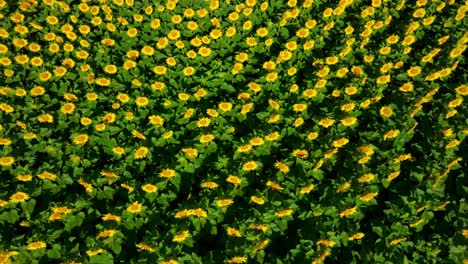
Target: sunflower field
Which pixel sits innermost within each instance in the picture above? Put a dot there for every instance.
(206, 131)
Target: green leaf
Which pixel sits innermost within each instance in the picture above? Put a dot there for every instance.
(74, 221)
(101, 259)
(54, 253)
(28, 207)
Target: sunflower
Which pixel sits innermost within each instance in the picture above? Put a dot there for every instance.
(160, 70)
(190, 153)
(167, 173)
(368, 197)
(284, 213)
(36, 245)
(103, 82)
(203, 122)
(206, 138)
(348, 212)
(326, 122)
(45, 118)
(234, 180)
(147, 50)
(45, 76)
(356, 236)
(414, 71)
(340, 142)
(80, 139)
(19, 197)
(47, 175)
(156, 120)
(257, 200)
(110, 69)
(6, 161)
(224, 202)
(391, 134)
(141, 101)
(181, 237)
(24, 178)
(135, 208)
(141, 153)
(300, 153)
(366, 178)
(111, 217)
(118, 151)
(106, 233)
(348, 121)
(312, 135)
(452, 144)
(145, 247)
(386, 111)
(249, 166)
(67, 108)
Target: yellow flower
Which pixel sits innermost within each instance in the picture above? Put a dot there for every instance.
(24, 178)
(233, 232)
(190, 153)
(386, 111)
(249, 166)
(299, 107)
(368, 197)
(262, 245)
(348, 121)
(397, 241)
(356, 236)
(284, 213)
(224, 202)
(348, 212)
(366, 178)
(300, 153)
(326, 122)
(19, 197)
(141, 153)
(257, 200)
(167, 173)
(118, 150)
(209, 185)
(452, 144)
(149, 188)
(391, 134)
(325, 242)
(307, 189)
(206, 138)
(93, 252)
(67, 108)
(181, 237)
(234, 180)
(80, 139)
(414, 71)
(110, 69)
(282, 167)
(36, 245)
(340, 142)
(238, 260)
(138, 134)
(111, 217)
(274, 186)
(135, 208)
(312, 135)
(145, 247)
(203, 122)
(225, 106)
(106, 233)
(189, 71)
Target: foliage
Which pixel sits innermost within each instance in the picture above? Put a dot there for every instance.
(228, 131)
